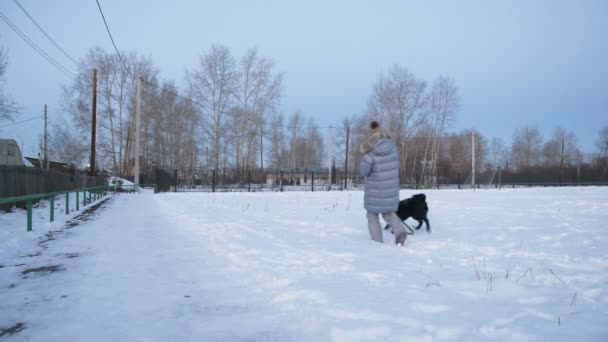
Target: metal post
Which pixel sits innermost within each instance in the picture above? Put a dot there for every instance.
(249, 178)
(499, 178)
(77, 200)
(67, 203)
(281, 181)
(312, 181)
(329, 161)
(213, 182)
(176, 180)
(346, 158)
(473, 160)
(52, 208)
(29, 214)
(46, 153)
(137, 115)
(93, 125)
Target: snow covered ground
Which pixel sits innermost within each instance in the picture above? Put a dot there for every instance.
(500, 265)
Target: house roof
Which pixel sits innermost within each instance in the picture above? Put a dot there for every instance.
(52, 164)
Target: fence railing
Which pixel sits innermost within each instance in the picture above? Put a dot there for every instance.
(93, 193)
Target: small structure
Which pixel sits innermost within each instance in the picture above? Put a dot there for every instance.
(10, 154)
(53, 165)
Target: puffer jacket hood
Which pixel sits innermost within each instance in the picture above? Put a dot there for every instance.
(372, 140)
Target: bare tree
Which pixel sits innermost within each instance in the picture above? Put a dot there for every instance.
(278, 150)
(8, 109)
(213, 84)
(398, 101)
(602, 147)
(115, 105)
(295, 127)
(173, 123)
(258, 92)
(602, 143)
(443, 102)
(347, 127)
(310, 146)
(67, 144)
(498, 153)
(562, 149)
(526, 147)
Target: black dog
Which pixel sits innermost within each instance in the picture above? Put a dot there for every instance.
(416, 208)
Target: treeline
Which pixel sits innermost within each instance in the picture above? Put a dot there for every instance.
(228, 116)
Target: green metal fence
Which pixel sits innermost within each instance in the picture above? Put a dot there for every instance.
(88, 195)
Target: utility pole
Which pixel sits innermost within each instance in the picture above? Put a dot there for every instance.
(330, 157)
(561, 165)
(46, 154)
(137, 114)
(473, 160)
(346, 157)
(93, 125)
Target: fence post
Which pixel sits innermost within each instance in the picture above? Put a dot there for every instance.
(249, 180)
(213, 182)
(176, 181)
(281, 181)
(499, 178)
(77, 200)
(84, 198)
(29, 215)
(312, 181)
(67, 202)
(52, 208)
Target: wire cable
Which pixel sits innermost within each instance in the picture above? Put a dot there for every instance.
(33, 45)
(174, 93)
(22, 121)
(124, 65)
(68, 56)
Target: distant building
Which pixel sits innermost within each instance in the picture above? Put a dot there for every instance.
(10, 154)
(53, 165)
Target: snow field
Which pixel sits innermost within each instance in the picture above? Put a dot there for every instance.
(501, 265)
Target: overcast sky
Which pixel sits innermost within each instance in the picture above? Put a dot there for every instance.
(516, 63)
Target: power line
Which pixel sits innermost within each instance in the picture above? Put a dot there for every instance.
(73, 60)
(124, 65)
(172, 92)
(22, 121)
(33, 45)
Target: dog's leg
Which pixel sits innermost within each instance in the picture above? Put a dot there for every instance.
(428, 225)
(419, 224)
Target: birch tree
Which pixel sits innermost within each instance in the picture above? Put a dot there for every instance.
(8, 109)
(397, 101)
(257, 93)
(526, 147)
(213, 84)
(115, 102)
(443, 102)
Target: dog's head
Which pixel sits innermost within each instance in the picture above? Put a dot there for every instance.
(419, 197)
(420, 202)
